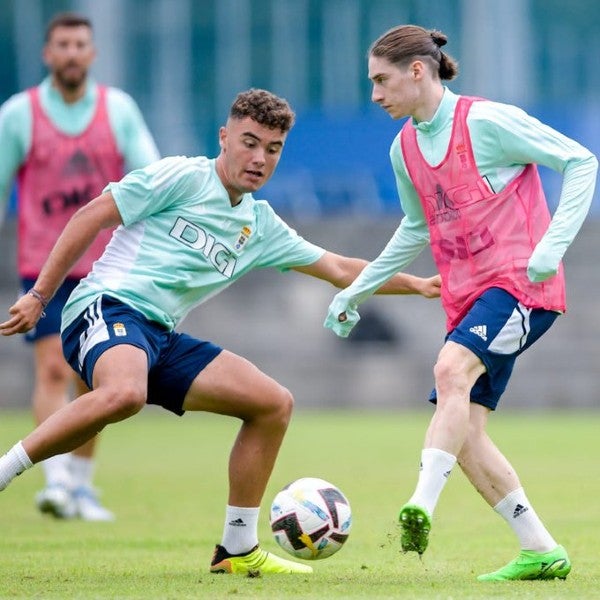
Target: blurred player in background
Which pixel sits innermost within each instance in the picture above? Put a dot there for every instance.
(187, 229)
(469, 186)
(65, 140)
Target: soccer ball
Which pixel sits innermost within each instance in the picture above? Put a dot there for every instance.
(311, 518)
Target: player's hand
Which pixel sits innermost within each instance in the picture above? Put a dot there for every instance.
(341, 317)
(431, 287)
(544, 261)
(25, 313)
(543, 264)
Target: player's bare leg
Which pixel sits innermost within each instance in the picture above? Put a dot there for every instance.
(69, 491)
(231, 385)
(495, 479)
(82, 465)
(51, 391)
(485, 466)
(120, 389)
(456, 371)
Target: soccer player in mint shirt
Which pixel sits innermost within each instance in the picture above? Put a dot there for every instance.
(469, 187)
(186, 229)
(64, 140)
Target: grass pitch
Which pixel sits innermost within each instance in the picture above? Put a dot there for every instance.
(166, 480)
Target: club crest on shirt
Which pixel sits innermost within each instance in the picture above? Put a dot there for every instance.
(243, 237)
(119, 329)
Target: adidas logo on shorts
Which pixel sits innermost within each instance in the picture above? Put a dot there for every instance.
(480, 330)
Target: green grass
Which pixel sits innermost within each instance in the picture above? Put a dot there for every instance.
(166, 479)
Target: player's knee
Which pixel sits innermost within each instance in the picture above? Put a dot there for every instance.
(287, 403)
(124, 402)
(449, 377)
(282, 406)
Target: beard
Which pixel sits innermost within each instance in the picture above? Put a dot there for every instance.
(69, 78)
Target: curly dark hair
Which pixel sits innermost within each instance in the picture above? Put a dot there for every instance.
(263, 107)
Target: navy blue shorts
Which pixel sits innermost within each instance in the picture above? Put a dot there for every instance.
(174, 359)
(497, 329)
(50, 324)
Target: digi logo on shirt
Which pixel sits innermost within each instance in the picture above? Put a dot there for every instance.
(193, 236)
(62, 201)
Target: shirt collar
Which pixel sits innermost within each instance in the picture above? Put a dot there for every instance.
(442, 116)
(52, 95)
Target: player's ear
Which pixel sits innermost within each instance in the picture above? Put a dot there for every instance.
(416, 69)
(46, 55)
(222, 138)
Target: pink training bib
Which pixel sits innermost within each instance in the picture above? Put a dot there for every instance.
(61, 174)
(480, 239)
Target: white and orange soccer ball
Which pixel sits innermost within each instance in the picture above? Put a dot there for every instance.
(311, 518)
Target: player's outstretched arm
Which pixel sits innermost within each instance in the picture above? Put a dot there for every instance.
(341, 271)
(429, 287)
(79, 233)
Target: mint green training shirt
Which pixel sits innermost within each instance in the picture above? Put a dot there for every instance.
(133, 138)
(181, 242)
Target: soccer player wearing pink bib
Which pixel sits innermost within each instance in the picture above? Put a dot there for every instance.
(64, 140)
(467, 177)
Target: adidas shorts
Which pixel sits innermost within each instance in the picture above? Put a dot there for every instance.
(497, 329)
(50, 324)
(174, 359)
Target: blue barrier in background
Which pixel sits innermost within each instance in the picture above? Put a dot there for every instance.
(12, 201)
(338, 164)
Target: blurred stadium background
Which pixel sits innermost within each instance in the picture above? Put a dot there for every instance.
(184, 61)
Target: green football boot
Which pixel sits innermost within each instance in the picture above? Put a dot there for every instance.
(533, 565)
(416, 524)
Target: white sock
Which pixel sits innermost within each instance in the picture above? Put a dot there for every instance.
(436, 466)
(13, 463)
(523, 520)
(82, 471)
(56, 470)
(240, 533)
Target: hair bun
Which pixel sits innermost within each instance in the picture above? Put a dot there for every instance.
(438, 38)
